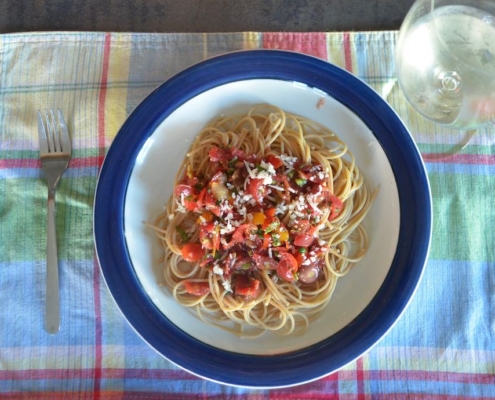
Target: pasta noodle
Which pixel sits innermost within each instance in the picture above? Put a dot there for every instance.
(312, 181)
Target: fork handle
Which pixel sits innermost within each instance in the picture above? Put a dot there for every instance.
(52, 308)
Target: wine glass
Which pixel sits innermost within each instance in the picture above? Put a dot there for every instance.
(445, 59)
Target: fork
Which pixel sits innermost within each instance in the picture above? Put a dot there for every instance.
(55, 155)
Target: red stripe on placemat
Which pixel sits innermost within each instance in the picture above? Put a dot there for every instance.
(96, 281)
(481, 159)
(119, 395)
(360, 378)
(177, 374)
(434, 376)
(88, 373)
(312, 43)
(347, 52)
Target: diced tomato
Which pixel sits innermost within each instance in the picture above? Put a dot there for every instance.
(274, 160)
(264, 263)
(257, 189)
(185, 189)
(270, 213)
(270, 219)
(286, 267)
(218, 154)
(192, 252)
(190, 204)
(206, 260)
(206, 233)
(320, 193)
(241, 232)
(189, 195)
(200, 201)
(246, 286)
(237, 153)
(336, 207)
(211, 203)
(301, 226)
(300, 258)
(191, 180)
(313, 173)
(267, 239)
(304, 240)
(197, 288)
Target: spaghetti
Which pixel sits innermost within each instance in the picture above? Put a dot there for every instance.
(265, 217)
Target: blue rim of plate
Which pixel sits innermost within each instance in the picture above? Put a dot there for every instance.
(321, 358)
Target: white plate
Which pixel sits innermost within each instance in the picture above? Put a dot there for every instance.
(152, 181)
(136, 181)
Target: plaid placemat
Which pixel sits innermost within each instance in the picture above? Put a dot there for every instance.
(442, 347)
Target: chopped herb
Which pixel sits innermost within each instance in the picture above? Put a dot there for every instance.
(302, 250)
(184, 237)
(291, 174)
(273, 226)
(233, 162)
(276, 240)
(300, 181)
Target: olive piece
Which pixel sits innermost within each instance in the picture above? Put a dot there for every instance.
(308, 273)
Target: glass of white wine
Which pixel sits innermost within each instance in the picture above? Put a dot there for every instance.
(445, 59)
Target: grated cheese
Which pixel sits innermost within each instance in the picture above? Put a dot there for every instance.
(227, 286)
(217, 270)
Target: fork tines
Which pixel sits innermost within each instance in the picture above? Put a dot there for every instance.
(52, 125)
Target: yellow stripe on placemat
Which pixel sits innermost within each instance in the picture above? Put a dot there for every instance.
(116, 96)
(252, 40)
(335, 48)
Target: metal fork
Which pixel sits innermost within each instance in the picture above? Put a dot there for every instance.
(55, 155)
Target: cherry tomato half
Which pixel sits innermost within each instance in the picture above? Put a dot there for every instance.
(286, 267)
(304, 240)
(192, 252)
(246, 286)
(336, 206)
(264, 263)
(197, 288)
(257, 189)
(274, 160)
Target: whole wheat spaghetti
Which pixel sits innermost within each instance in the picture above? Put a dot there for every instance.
(265, 217)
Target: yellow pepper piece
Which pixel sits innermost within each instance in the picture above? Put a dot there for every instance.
(206, 216)
(284, 236)
(258, 218)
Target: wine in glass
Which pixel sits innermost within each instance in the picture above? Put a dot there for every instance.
(445, 60)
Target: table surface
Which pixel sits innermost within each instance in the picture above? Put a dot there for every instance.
(442, 347)
(201, 15)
